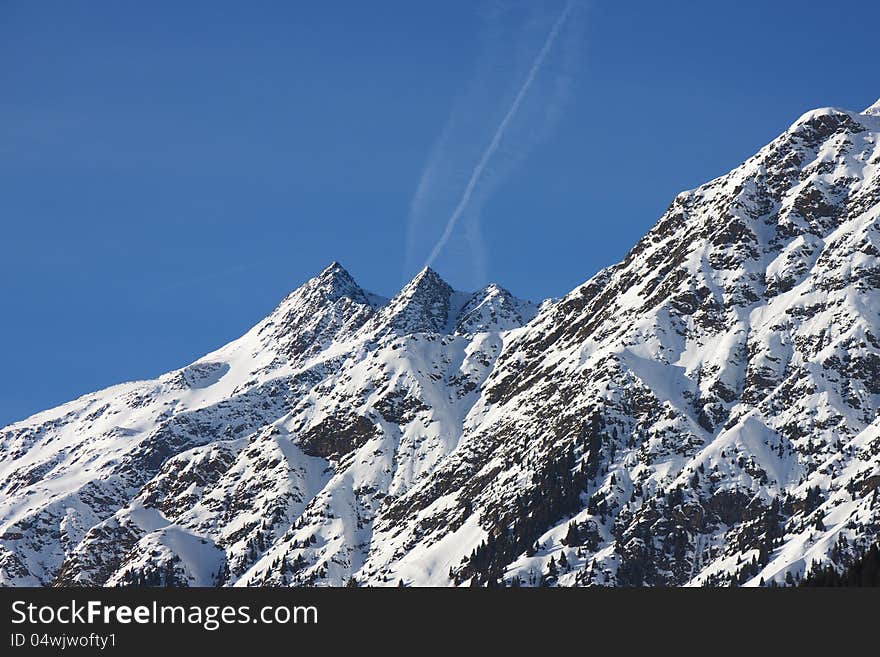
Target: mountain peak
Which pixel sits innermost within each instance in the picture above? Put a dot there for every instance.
(429, 275)
(330, 305)
(493, 308)
(422, 305)
(334, 268)
(334, 282)
(426, 283)
(335, 271)
(819, 123)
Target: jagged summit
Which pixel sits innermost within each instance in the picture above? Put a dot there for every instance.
(423, 305)
(334, 266)
(428, 304)
(493, 308)
(335, 282)
(428, 273)
(334, 270)
(426, 282)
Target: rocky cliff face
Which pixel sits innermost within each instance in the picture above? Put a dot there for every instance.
(703, 413)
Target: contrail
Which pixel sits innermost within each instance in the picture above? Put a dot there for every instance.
(499, 133)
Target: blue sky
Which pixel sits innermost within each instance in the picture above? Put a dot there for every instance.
(169, 171)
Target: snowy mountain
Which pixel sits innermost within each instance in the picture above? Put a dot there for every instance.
(705, 412)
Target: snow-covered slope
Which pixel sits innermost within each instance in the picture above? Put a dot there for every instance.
(703, 413)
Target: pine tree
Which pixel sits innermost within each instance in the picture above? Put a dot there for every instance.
(563, 562)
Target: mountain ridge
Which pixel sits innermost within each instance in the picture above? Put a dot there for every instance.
(704, 412)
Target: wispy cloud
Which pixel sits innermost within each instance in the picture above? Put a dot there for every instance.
(486, 136)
